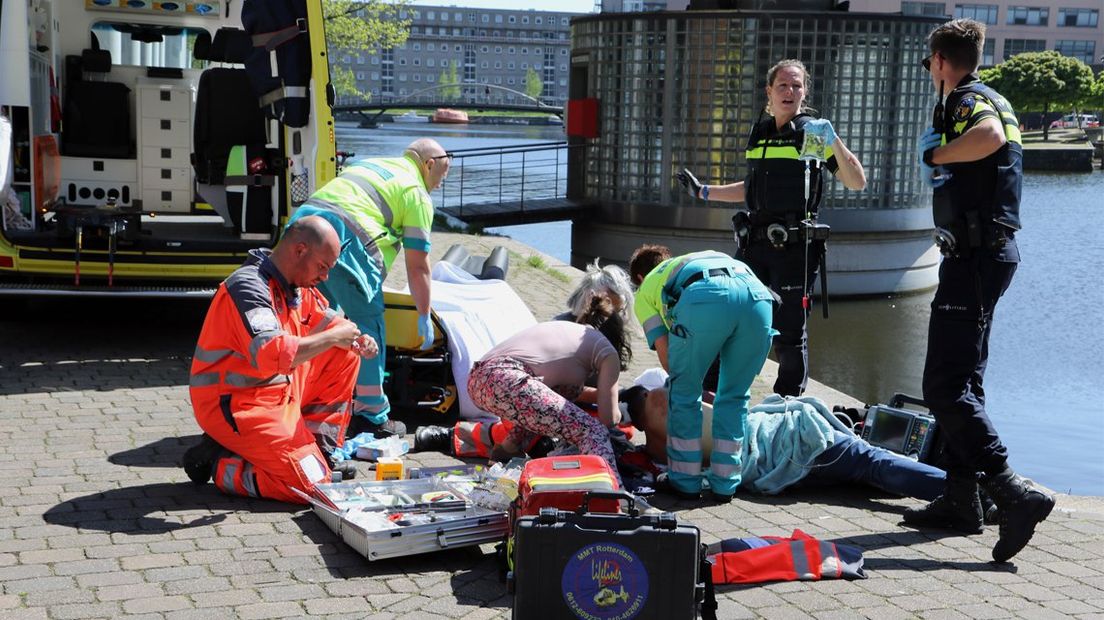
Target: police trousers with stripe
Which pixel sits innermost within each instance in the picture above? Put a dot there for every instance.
(727, 316)
(958, 353)
(355, 286)
(275, 433)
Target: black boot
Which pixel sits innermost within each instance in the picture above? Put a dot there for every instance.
(199, 460)
(433, 439)
(1022, 506)
(957, 509)
(347, 469)
(360, 424)
(541, 448)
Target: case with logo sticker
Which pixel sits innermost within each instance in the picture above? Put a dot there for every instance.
(605, 566)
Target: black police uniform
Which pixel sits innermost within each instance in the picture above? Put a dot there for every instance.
(979, 208)
(775, 191)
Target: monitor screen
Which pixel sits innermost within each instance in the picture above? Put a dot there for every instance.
(889, 429)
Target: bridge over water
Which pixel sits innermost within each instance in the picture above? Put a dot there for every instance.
(492, 98)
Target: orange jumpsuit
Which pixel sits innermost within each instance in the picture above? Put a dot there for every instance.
(273, 418)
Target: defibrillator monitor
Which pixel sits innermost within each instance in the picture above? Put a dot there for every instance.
(903, 431)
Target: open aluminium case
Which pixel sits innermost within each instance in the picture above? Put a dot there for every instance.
(394, 518)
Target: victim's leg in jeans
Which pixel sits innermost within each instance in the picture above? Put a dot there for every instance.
(850, 459)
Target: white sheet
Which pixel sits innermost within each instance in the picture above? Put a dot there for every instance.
(477, 315)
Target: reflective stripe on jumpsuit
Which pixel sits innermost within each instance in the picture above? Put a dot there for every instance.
(727, 316)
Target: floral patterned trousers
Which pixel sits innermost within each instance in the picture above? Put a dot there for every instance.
(507, 388)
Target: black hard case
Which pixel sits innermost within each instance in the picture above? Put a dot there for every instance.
(667, 553)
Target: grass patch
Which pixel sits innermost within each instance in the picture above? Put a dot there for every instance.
(536, 261)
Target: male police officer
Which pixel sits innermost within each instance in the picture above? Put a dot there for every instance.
(378, 206)
(973, 163)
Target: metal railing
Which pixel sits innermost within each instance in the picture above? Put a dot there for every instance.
(507, 176)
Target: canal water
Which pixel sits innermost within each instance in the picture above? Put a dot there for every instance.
(1046, 363)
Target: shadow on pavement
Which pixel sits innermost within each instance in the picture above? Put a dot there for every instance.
(154, 509)
(165, 452)
(857, 497)
(52, 346)
(474, 575)
(888, 564)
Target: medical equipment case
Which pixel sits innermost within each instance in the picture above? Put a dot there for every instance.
(603, 566)
(393, 518)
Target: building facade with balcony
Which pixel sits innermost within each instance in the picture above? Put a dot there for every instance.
(487, 47)
(683, 89)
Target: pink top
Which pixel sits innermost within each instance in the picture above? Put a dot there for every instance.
(560, 353)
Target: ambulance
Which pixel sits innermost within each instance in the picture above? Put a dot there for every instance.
(146, 146)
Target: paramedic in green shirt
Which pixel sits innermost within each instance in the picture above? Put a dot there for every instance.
(379, 206)
(694, 309)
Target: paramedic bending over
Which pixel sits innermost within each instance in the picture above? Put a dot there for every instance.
(532, 378)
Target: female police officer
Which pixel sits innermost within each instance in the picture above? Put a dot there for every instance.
(773, 242)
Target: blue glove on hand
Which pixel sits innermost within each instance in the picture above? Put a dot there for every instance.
(927, 142)
(822, 127)
(425, 330)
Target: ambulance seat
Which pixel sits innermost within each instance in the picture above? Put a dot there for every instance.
(97, 112)
(229, 120)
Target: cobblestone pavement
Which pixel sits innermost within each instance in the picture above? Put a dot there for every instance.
(97, 520)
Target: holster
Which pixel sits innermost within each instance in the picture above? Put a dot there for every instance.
(970, 234)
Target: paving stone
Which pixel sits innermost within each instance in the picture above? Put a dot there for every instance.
(259, 611)
(351, 605)
(236, 598)
(156, 604)
(129, 591)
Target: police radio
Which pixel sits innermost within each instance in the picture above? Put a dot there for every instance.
(938, 120)
(904, 431)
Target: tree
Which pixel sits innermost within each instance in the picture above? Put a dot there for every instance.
(355, 27)
(533, 84)
(1041, 82)
(449, 82)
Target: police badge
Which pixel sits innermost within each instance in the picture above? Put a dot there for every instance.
(964, 107)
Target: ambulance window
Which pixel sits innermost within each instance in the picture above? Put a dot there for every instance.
(148, 45)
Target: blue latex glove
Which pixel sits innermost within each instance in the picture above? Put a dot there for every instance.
(928, 141)
(425, 330)
(822, 127)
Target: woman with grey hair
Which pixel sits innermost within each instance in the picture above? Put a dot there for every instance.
(610, 281)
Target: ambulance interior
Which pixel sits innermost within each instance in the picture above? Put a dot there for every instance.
(148, 117)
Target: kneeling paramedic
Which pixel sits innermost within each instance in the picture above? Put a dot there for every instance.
(694, 309)
(972, 159)
(274, 370)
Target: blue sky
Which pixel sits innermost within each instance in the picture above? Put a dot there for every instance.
(571, 6)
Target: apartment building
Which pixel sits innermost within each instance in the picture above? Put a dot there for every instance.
(491, 49)
(1071, 27)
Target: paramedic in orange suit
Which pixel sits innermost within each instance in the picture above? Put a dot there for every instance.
(274, 370)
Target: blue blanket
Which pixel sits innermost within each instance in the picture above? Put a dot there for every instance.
(783, 437)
